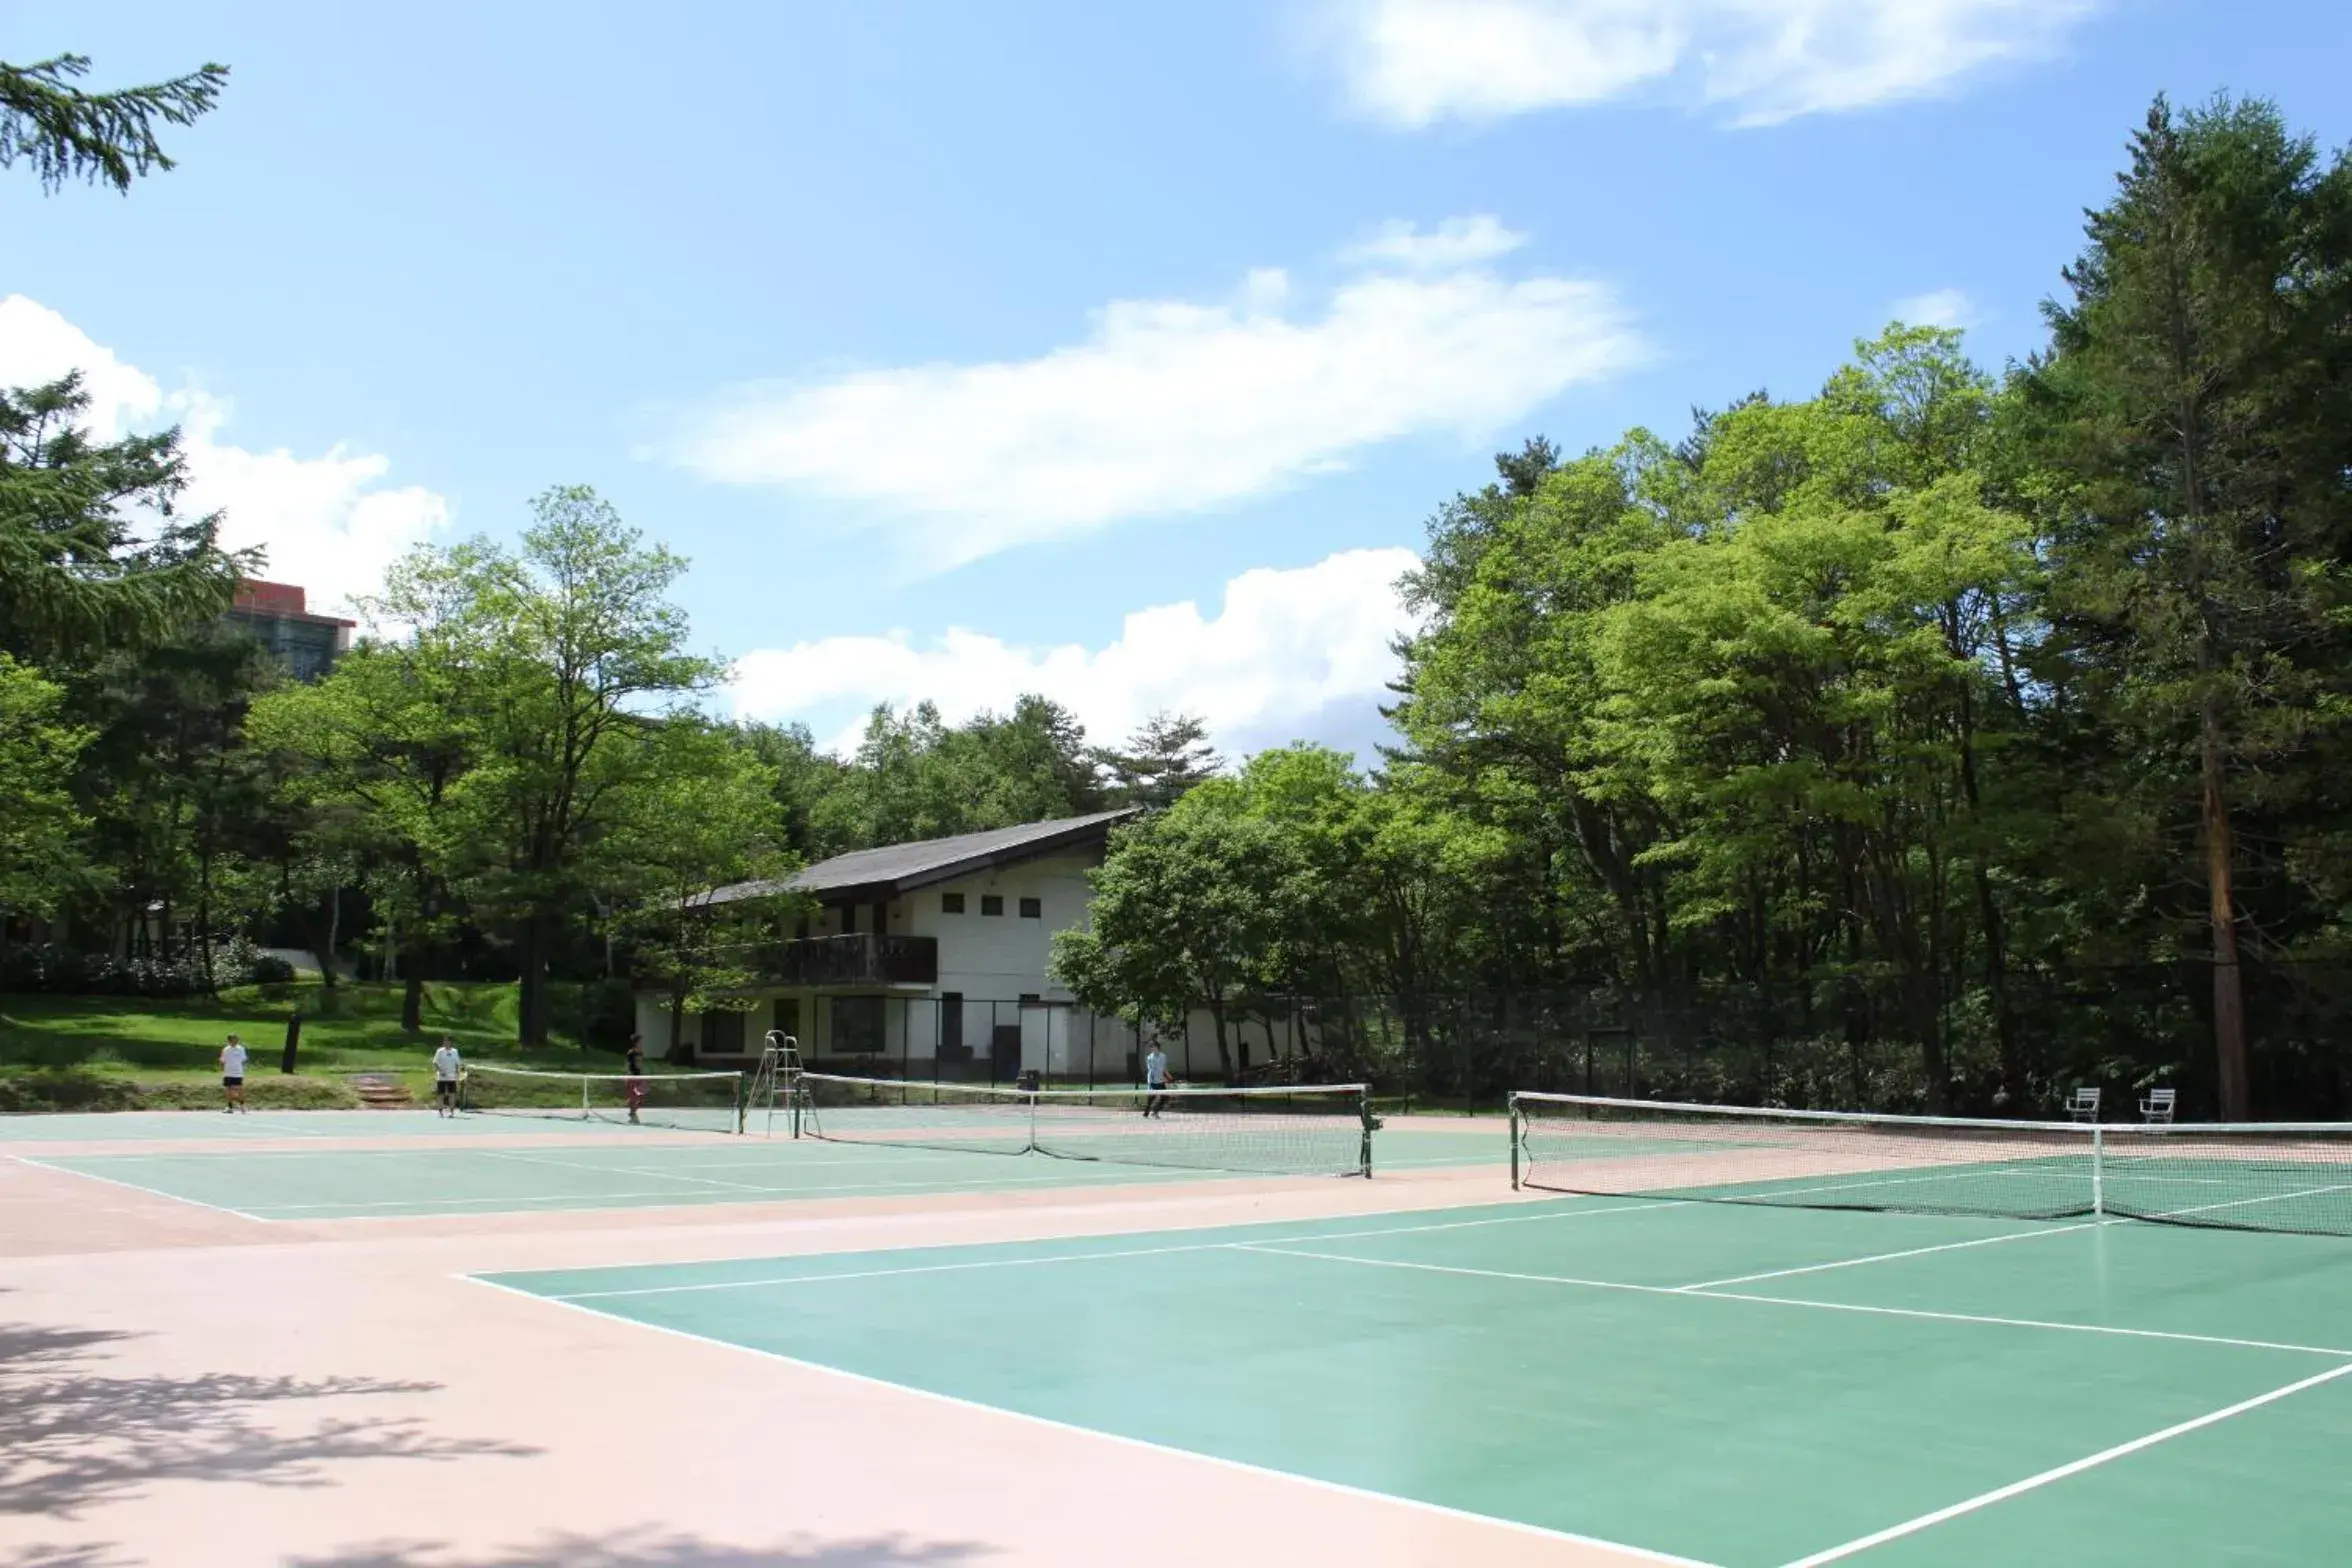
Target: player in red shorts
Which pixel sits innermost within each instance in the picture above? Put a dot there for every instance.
(636, 1083)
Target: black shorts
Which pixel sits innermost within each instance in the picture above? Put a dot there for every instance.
(445, 1086)
(232, 1083)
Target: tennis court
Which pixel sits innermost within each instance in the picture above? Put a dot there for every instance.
(1705, 1382)
(617, 1168)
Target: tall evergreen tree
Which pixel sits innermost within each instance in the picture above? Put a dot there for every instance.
(2196, 399)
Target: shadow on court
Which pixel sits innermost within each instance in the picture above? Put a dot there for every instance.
(657, 1549)
(64, 1557)
(73, 1435)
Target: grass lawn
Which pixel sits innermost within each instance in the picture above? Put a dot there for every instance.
(119, 1052)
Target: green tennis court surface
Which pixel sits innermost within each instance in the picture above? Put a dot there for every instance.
(321, 1184)
(1728, 1385)
(214, 1125)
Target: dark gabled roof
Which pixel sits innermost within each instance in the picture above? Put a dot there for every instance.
(902, 868)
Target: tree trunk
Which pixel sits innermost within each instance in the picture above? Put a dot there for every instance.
(412, 1004)
(531, 988)
(323, 938)
(2229, 991)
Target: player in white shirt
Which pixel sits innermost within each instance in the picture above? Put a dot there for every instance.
(232, 1060)
(1155, 1081)
(445, 1070)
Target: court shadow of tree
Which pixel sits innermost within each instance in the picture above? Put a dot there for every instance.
(653, 1548)
(72, 1435)
(64, 1557)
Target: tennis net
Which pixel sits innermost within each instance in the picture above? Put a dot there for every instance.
(702, 1102)
(1314, 1131)
(2252, 1176)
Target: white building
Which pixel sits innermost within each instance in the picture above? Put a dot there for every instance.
(928, 960)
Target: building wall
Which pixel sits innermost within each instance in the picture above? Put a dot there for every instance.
(992, 962)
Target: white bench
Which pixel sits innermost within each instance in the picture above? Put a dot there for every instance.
(2157, 1107)
(2084, 1107)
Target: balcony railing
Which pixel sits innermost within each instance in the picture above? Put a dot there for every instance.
(861, 959)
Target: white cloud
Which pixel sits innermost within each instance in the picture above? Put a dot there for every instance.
(1416, 62)
(1938, 308)
(1291, 652)
(326, 522)
(1455, 243)
(1173, 406)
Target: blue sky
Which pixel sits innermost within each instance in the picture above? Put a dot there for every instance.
(1111, 351)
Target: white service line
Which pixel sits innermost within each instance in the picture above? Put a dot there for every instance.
(1798, 1301)
(610, 1170)
(2269, 1197)
(2030, 1483)
(1889, 1257)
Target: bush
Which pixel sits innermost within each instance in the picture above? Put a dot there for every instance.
(67, 1089)
(67, 971)
(269, 969)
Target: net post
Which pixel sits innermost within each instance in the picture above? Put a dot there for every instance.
(2098, 1171)
(1515, 1114)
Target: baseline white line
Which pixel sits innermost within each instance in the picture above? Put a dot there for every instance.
(1889, 1257)
(152, 1192)
(1067, 1257)
(2061, 1472)
(891, 1273)
(1240, 1466)
(753, 1195)
(1798, 1301)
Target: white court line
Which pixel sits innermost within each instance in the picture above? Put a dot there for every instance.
(2273, 1197)
(1145, 1445)
(609, 1170)
(1889, 1257)
(1063, 1257)
(890, 1273)
(132, 1186)
(1795, 1301)
(2032, 1482)
(756, 1194)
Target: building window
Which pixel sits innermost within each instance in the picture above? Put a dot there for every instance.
(722, 1034)
(951, 903)
(1032, 909)
(858, 1025)
(992, 903)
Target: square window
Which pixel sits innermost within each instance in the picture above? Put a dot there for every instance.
(992, 903)
(951, 903)
(1032, 909)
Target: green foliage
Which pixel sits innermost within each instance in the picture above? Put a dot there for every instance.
(556, 666)
(94, 557)
(1191, 906)
(707, 817)
(2194, 422)
(40, 827)
(1161, 763)
(105, 138)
